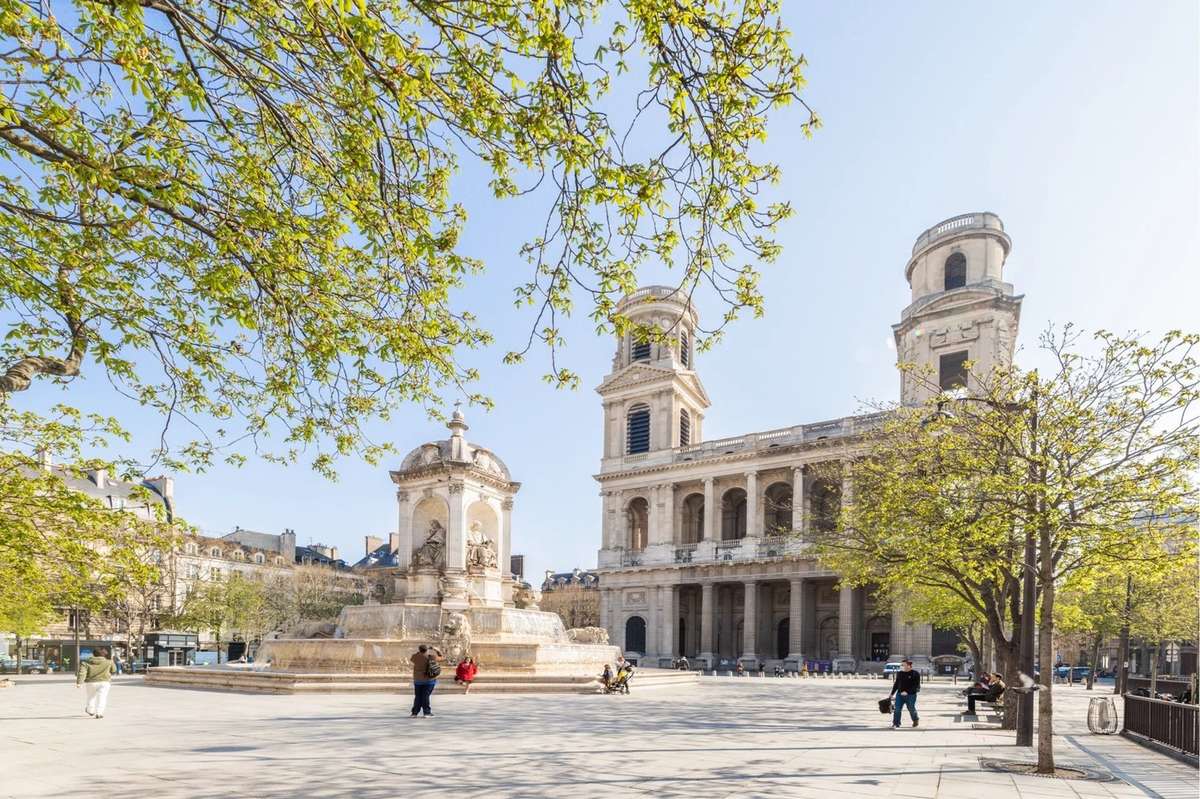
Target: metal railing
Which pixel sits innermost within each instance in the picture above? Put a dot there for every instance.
(1172, 724)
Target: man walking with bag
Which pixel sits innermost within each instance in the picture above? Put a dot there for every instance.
(426, 668)
(905, 689)
(96, 674)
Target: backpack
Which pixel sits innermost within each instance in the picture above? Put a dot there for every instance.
(432, 668)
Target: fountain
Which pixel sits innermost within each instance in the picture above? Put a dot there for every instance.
(444, 579)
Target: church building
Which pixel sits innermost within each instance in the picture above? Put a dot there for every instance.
(703, 550)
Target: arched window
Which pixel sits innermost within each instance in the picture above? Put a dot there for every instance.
(685, 349)
(826, 504)
(733, 514)
(956, 271)
(258, 558)
(639, 351)
(693, 519)
(638, 518)
(685, 427)
(638, 429)
(635, 635)
(777, 513)
(215, 552)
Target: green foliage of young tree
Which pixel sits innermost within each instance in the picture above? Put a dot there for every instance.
(947, 610)
(242, 211)
(60, 548)
(1078, 458)
(222, 607)
(240, 214)
(1165, 604)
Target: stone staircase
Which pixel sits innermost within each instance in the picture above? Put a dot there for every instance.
(281, 682)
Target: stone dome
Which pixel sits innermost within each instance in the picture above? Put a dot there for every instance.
(455, 450)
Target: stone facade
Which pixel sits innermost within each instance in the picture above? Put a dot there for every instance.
(737, 582)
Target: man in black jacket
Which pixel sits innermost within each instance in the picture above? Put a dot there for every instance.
(905, 689)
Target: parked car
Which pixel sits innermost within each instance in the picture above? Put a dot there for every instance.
(8, 665)
(889, 669)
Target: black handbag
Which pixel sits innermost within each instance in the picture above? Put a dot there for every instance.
(885, 705)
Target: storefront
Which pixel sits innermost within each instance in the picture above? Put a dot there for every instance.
(166, 648)
(59, 655)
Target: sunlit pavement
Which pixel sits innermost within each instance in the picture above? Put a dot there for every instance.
(743, 737)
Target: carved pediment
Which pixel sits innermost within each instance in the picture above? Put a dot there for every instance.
(642, 374)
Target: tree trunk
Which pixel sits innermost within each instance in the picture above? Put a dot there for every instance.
(1091, 680)
(18, 638)
(1122, 682)
(1045, 718)
(1154, 672)
(1010, 665)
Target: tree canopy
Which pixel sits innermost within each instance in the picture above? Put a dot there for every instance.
(1081, 457)
(240, 213)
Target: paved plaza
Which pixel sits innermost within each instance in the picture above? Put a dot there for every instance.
(745, 737)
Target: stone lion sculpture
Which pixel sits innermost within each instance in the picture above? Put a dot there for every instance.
(456, 636)
(587, 635)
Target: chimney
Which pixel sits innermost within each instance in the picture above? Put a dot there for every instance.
(100, 477)
(46, 459)
(165, 487)
(373, 543)
(287, 545)
(394, 541)
(333, 553)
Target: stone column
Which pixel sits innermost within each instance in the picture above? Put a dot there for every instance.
(652, 529)
(506, 537)
(668, 601)
(666, 521)
(753, 517)
(706, 622)
(650, 650)
(799, 504)
(896, 645)
(456, 541)
(404, 527)
(847, 486)
(846, 623)
(711, 511)
(796, 620)
(750, 621)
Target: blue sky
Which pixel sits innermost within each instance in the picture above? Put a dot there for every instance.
(1076, 122)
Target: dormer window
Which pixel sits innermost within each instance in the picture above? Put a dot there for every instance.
(638, 429)
(215, 552)
(956, 271)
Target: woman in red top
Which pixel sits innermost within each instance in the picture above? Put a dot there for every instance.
(465, 673)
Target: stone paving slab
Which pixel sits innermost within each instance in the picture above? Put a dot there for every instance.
(724, 738)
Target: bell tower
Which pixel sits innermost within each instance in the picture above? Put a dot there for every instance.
(653, 400)
(961, 311)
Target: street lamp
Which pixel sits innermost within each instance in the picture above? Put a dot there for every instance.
(1028, 572)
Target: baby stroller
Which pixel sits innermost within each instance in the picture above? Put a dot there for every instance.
(620, 683)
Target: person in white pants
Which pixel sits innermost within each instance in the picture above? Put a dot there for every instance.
(96, 674)
(97, 698)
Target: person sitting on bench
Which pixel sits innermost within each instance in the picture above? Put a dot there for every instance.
(995, 690)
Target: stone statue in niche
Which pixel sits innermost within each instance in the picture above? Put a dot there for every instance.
(433, 551)
(481, 552)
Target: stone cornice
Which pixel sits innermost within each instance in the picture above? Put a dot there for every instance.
(845, 444)
(455, 470)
